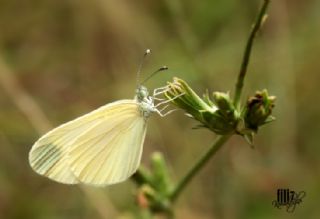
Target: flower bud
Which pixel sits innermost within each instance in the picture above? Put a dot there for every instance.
(219, 115)
(154, 185)
(258, 110)
(181, 94)
(224, 120)
(223, 101)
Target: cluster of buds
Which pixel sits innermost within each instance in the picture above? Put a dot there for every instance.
(219, 113)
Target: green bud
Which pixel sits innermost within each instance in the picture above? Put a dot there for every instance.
(223, 101)
(224, 120)
(154, 185)
(161, 176)
(185, 98)
(258, 110)
(181, 94)
(218, 115)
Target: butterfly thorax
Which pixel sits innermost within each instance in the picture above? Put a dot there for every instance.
(145, 102)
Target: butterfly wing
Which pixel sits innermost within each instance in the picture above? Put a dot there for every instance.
(111, 151)
(53, 154)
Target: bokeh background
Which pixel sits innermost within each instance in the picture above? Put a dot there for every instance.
(61, 59)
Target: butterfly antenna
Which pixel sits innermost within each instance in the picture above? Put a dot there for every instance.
(147, 52)
(163, 68)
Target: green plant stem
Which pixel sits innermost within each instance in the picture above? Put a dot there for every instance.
(198, 165)
(247, 52)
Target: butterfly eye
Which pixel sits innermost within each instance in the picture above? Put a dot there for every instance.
(141, 93)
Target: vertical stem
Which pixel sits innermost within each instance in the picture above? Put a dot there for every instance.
(198, 165)
(247, 52)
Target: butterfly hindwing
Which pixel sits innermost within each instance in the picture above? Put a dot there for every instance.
(50, 156)
(111, 152)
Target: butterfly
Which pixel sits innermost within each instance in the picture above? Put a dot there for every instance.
(100, 148)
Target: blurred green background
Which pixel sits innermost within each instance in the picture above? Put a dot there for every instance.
(61, 59)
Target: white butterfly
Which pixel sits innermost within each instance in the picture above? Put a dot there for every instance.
(100, 148)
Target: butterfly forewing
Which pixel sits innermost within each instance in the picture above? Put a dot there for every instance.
(53, 154)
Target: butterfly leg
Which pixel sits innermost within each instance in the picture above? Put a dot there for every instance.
(167, 101)
(156, 98)
(160, 90)
(160, 112)
(165, 114)
(163, 108)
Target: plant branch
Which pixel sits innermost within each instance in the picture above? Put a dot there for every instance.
(247, 52)
(198, 166)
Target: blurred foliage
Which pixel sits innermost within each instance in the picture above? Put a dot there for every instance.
(73, 56)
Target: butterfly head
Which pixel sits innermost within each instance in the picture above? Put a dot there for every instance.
(145, 102)
(141, 93)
